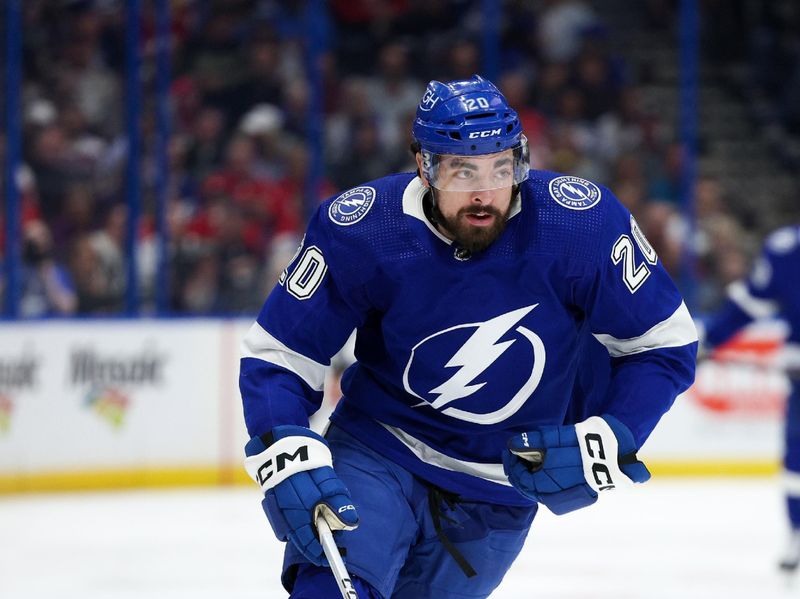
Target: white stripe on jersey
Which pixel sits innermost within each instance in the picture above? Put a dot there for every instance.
(490, 472)
(676, 331)
(754, 307)
(791, 483)
(258, 343)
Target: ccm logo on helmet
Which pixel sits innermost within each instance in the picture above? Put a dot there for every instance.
(487, 133)
(266, 470)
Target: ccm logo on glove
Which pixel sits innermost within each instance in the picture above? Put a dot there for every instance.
(599, 444)
(598, 468)
(285, 457)
(266, 471)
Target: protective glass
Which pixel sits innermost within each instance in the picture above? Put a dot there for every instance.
(448, 172)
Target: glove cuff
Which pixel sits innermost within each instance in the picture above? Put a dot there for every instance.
(599, 448)
(300, 450)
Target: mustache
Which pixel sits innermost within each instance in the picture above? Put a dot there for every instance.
(484, 210)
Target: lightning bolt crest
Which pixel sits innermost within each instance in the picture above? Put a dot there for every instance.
(574, 190)
(476, 355)
(351, 203)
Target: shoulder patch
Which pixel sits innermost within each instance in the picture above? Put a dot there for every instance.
(351, 206)
(574, 193)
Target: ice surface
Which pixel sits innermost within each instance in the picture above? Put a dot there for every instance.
(669, 539)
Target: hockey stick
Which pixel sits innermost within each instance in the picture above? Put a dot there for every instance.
(335, 560)
(534, 457)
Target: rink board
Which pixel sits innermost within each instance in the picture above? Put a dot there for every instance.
(116, 403)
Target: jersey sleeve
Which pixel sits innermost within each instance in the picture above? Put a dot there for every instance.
(635, 311)
(752, 299)
(305, 320)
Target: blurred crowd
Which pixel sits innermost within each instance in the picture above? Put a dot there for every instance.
(238, 154)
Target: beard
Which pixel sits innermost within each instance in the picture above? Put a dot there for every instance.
(471, 238)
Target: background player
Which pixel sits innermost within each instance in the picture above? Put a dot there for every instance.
(772, 290)
(479, 289)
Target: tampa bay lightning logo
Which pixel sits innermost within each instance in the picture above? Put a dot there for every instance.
(351, 206)
(483, 370)
(574, 193)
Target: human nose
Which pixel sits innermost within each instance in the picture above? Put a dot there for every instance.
(484, 197)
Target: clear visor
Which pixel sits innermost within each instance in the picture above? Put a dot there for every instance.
(448, 172)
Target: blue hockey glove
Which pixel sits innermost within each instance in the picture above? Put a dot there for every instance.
(565, 467)
(294, 468)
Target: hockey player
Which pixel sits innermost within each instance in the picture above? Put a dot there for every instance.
(772, 290)
(479, 289)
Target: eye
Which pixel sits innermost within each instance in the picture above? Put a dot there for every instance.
(463, 173)
(503, 174)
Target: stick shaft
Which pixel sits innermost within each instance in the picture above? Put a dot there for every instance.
(335, 560)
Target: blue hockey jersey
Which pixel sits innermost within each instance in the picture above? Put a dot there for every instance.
(456, 352)
(771, 290)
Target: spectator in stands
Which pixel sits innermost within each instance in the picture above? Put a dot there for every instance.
(666, 179)
(365, 158)
(517, 90)
(213, 55)
(289, 192)
(393, 94)
(263, 126)
(47, 288)
(575, 138)
(354, 107)
(262, 82)
(463, 59)
(353, 143)
(238, 286)
(562, 26)
(205, 145)
(84, 78)
(627, 129)
(108, 244)
(362, 25)
(553, 78)
(595, 78)
(51, 170)
(84, 148)
(217, 269)
(96, 293)
(629, 184)
(186, 102)
(721, 245)
(295, 106)
(78, 216)
(240, 100)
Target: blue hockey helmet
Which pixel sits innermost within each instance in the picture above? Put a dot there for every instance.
(469, 117)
